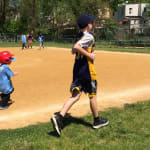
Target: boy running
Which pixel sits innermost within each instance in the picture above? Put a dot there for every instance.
(84, 75)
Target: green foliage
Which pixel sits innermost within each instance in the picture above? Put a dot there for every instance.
(108, 30)
(138, 1)
(8, 11)
(52, 15)
(60, 19)
(43, 15)
(86, 7)
(113, 4)
(12, 26)
(29, 14)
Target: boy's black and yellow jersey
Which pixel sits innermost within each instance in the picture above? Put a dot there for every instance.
(84, 67)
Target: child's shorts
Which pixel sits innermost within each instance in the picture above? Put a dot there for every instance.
(88, 86)
(30, 42)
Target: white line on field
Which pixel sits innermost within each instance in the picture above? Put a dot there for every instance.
(121, 97)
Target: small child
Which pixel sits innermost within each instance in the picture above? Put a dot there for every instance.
(23, 41)
(30, 39)
(6, 87)
(84, 75)
(41, 40)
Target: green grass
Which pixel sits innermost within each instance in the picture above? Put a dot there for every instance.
(47, 44)
(124, 49)
(129, 129)
(69, 45)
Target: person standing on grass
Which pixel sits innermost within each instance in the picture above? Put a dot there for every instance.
(6, 87)
(84, 75)
(41, 40)
(23, 41)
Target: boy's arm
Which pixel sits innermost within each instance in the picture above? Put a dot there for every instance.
(10, 73)
(84, 52)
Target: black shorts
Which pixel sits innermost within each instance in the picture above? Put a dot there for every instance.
(88, 86)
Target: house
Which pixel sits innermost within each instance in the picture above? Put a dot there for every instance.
(132, 17)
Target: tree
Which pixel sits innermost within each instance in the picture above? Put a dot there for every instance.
(9, 10)
(29, 14)
(3, 13)
(108, 30)
(90, 7)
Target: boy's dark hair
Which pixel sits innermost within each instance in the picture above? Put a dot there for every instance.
(84, 20)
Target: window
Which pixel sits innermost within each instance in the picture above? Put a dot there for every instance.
(130, 10)
(132, 22)
(135, 22)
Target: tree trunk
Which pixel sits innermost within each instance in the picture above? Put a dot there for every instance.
(33, 14)
(3, 17)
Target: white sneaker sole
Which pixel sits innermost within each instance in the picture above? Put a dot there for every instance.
(55, 125)
(101, 125)
(3, 108)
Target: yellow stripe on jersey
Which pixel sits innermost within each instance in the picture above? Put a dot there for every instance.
(91, 65)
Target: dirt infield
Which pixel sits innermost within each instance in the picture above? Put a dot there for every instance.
(43, 82)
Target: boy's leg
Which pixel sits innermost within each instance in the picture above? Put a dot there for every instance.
(25, 45)
(75, 97)
(4, 102)
(40, 45)
(5, 99)
(98, 121)
(0, 99)
(91, 89)
(57, 120)
(93, 106)
(22, 46)
(31, 44)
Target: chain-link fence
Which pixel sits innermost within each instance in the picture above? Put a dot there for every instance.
(136, 41)
(9, 37)
(13, 37)
(124, 43)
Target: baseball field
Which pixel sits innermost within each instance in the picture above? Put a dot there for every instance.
(42, 85)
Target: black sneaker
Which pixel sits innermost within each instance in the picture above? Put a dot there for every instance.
(57, 123)
(3, 107)
(100, 122)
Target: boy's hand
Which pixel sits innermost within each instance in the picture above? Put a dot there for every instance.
(15, 73)
(92, 55)
(84, 52)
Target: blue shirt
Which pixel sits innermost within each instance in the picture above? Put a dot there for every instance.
(24, 39)
(41, 38)
(6, 86)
